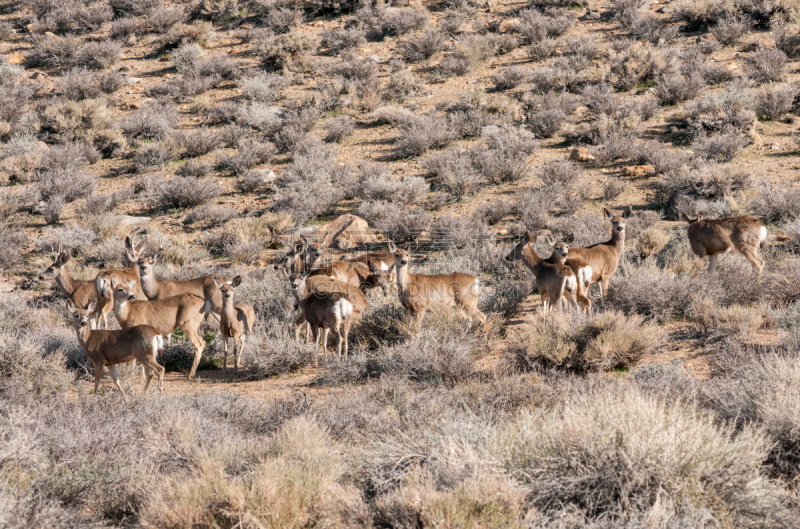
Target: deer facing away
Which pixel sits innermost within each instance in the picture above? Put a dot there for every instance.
(711, 237)
(418, 292)
(554, 279)
(185, 312)
(603, 257)
(102, 282)
(236, 320)
(79, 292)
(109, 348)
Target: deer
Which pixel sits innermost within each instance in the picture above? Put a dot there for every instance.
(555, 279)
(417, 292)
(367, 276)
(603, 257)
(6, 285)
(314, 251)
(79, 292)
(102, 282)
(381, 260)
(185, 312)
(711, 237)
(109, 348)
(156, 289)
(236, 320)
(327, 304)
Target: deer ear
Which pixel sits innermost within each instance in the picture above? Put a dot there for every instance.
(570, 238)
(392, 247)
(236, 281)
(70, 305)
(526, 237)
(607, 214)
(299, 246)
(114, 282)
(325, 241)
(157, 257)
(92, 306)
(132, 256)
(132, 285)
(627, 213)
(550, 240)
(65, 256)
(699, 217)
(217, 282)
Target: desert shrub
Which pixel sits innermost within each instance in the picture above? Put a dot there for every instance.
(454, 172)
(13, 241)
(134, 7)
(280, 20)
(194, 168)
(601, 99)
(210, 215)
(774, 102)
(673, 89)
(608, 341)
(560, 174)
(251, 152)
(505, 156)
(615, 142)
(730, 29)
(542, 49)
(98, 55)
(283, 51)
(396, 223)
(280, 355)
(376, 184)
(98, 204)
(722, 147)
(295, 127)
(402, 84)
(420, 133)
(699, 14)
(125, 27)
(731, 108)
(261, 116)
(422, 47)
(636, 63)
(534, 207)
(553, 452)
(766, 65)
(262, 87)
(80, 83)
(466, 54)
(51, 209)
(69, 183)
(777, 203)
(338, 129)
(250, 181)
(509, 78)
(560, 75)
(156, 154)
(181, 192)
(196, 142)
(402, 21)
(339, 40)
(626, 11)
(546, 123)
(53, 51)
(647, 27)
(153, 120)
(83, 120)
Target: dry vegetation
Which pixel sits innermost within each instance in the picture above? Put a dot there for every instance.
(226, 125)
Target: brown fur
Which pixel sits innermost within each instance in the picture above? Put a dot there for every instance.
(79, 292)
(109, 348)
(711, 237)
(357, 273)
(236, 320)
(417, 292)
(603, 257)
(102, 283)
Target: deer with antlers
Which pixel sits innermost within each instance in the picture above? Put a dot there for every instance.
(712, 237)
(418, 292)
(236, 320)
(109, 348)
(102, 282)
(155, 288)
(81, 293)
(185, 312)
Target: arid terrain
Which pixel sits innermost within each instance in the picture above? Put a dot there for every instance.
(226, 132)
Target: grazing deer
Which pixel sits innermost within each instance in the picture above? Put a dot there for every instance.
(155, 288)
(327, 304)
(711, 237)
(554, 278)
(80, 292)
(6, 285)
(603, 257)
(417, 292)
(236, 320)
(109, 348)
(102, 282)
(366, 276)
(185, 312)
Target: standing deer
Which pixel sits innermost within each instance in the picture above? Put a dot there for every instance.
(711, 237)
(109, 348)
(6, 286)
(185, 312)
(327, 304)
(294, 260)
(155, 288)
(603, 257)
(314, 252)
(102, 282)
(417, 292)
(236, 320)
(80, 292)
(555, 278)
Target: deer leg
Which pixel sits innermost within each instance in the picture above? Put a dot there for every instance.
(148, 379)
(315, 335)
(113, 371)
(198, 345)
(225, 347)
(325, 332)
(236, 356)
(346, 332)
(712, 263)
(98, 374)
(755, 260)
(545, 303)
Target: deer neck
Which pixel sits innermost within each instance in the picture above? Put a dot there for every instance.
(83, 336)
(228, 312)
(403, 278)
(122, 309)
(530, 258)
(617, 242)
(149, 284)
(65, 282)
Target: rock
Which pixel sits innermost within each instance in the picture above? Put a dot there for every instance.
(38, 75)
(15, 58)
(164, 59)
(128, 155)
(731, 66)
(761, 43)
(134, 80)
(663, 9)
(30, 28)
(374, 58)
(581, 154)
(346, 232)
(133, 106)
(705, 38)
(266, 175)
(591, 15)
(775, 146)
(638, 170)
(508, 24)
(128, 220)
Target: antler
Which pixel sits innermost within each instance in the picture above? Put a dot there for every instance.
(160, 241)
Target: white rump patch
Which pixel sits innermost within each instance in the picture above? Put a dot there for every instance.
(763, 233)
(384, 266)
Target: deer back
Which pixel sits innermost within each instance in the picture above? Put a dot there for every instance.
(165, 315)
(121, 346)
(714, 236)
(423, 289)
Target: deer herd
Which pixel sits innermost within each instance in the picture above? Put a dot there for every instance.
(329, 294)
